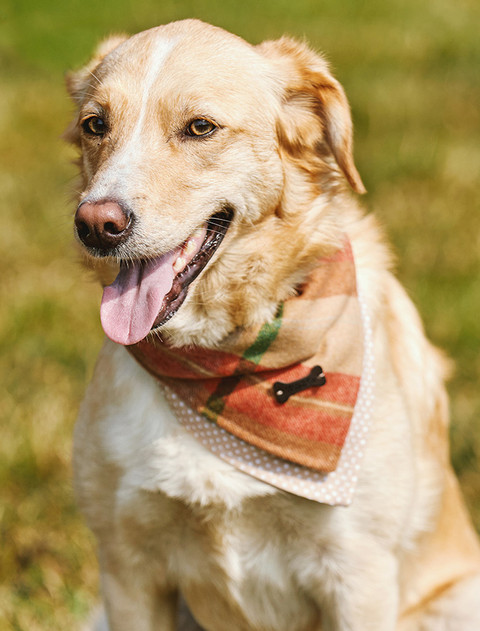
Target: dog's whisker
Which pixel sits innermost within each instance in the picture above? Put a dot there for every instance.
(95, 77)
(216, 232)
(89, 94)
(220, 222)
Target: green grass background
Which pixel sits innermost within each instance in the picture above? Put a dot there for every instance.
(410, 69)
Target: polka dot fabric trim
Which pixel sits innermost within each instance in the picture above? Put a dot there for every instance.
(336, 488)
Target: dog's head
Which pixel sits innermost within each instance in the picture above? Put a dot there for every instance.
(213, 175)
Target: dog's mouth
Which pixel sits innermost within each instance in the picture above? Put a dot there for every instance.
(146, 294)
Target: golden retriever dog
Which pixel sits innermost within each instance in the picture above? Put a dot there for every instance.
(219, 210)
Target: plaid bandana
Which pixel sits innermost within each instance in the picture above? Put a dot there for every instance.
(234, 386)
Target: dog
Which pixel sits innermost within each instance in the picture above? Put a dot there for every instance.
(219, 211)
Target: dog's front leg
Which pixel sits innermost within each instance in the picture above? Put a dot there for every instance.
(134, 603)
(359, 591)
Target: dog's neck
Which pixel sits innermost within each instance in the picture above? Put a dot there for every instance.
(256, 269)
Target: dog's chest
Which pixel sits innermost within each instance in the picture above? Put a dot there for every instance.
(226, 539)
(230, 564)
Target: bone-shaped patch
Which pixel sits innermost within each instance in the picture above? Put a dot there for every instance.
(283, 391)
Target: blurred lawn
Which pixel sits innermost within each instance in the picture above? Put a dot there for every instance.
(411, 71)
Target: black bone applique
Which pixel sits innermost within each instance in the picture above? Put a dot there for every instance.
(283, 391)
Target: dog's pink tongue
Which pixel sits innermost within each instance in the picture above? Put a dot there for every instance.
(132, 302)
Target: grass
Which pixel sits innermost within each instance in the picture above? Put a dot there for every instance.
(410, 70)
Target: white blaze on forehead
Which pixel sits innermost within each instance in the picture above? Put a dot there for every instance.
(119, 167)
(159, 54)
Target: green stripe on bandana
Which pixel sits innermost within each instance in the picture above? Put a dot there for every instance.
(266, 336)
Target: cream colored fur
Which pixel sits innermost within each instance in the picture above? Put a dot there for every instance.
(171, 518)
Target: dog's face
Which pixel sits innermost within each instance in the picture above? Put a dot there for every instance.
(206, 165)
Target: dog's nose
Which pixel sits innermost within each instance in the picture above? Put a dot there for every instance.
(103, 225)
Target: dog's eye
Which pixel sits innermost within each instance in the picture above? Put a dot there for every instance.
(94, 126)
(200, 127)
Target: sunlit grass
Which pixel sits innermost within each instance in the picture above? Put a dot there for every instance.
(410, 70)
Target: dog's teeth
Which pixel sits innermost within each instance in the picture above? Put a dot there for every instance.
(179, 264)
(190, 247)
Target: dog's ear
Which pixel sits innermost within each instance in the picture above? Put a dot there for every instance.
(314, 106)
(79, 81)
